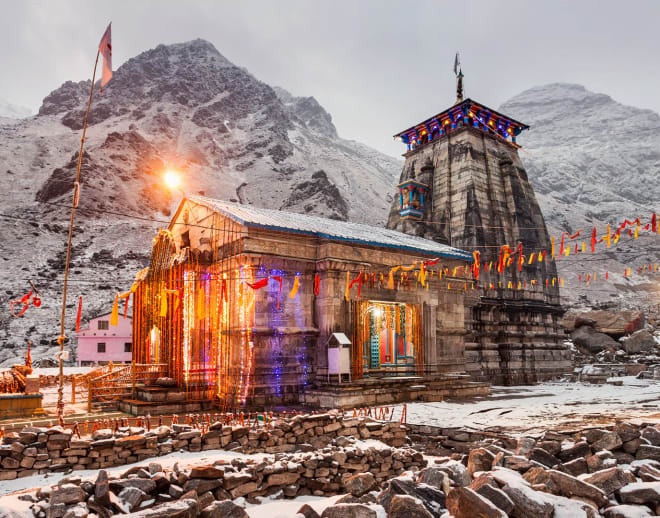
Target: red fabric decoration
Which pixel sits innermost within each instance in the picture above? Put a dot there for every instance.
(277, 278)
(357, 280)
(607, 275)
(504, 255)
(36, 301)
(125, 305)
(521, 259)
(316, 284)
(654, 223)
(79, 314)
(223, 291)
(594, 240)
(259, 284)
(25, 300)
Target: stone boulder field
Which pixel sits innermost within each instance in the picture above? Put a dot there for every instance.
(342, 468)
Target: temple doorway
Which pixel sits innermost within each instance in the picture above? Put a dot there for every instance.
(388, 338)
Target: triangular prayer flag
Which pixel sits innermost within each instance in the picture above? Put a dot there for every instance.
(294, 290)
(114, 317)
(79, 315)
(163, 303)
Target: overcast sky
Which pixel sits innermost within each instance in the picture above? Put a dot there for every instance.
(376, 66)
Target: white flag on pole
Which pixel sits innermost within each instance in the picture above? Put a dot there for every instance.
(105, 48)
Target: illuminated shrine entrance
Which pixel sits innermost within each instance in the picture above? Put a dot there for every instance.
(388, 339)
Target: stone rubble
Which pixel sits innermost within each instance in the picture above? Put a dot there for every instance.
(207, 490)
(611, 471)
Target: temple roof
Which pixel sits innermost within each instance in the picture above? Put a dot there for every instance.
(470, 108)
(256, 217)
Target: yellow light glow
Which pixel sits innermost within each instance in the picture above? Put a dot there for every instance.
(172, 179)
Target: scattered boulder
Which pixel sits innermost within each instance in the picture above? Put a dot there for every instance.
(479, 459)
(228, 509)
(610, 480)
(405, 506)
(306, 510)
(639, 342)
(360, 484)
(627, 511)
(67, 494)
(435, 477)
(641, 493)
(463, 502)
(593, 341)
(349, 511)
(528, 503)
(563, 484)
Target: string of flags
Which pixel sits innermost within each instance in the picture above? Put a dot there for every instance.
(421, 272)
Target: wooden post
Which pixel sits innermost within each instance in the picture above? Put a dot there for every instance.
(74, 204)
(73, 389)
(89, 396)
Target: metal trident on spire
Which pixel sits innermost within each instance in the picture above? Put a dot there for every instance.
(459, 79)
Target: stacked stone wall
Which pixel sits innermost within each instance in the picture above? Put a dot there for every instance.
(42, 450)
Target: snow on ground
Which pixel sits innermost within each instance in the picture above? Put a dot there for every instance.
(287, 508)
(546, 405)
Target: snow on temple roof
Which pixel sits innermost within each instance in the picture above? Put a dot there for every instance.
(325, 228)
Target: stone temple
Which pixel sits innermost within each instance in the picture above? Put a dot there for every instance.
(464, 185)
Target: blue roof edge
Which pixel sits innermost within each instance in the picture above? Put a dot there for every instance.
(464, 255)
(458, 255)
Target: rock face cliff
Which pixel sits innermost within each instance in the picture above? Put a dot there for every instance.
(184, 107)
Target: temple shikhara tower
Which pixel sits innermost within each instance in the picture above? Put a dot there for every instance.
(463, 184)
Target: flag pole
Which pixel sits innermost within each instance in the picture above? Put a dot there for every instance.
(74, 204)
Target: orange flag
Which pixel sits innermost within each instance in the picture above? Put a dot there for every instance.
(105, 49)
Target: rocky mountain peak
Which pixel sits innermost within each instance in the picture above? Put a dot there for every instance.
(309, 112)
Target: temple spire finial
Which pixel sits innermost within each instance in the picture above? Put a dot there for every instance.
(459, 79)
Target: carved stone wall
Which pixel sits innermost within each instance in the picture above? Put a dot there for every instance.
(480, 199)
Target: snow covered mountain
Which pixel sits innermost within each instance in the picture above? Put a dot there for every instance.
(12, 111)
(181, 106)
(592, 161)
(186, 107)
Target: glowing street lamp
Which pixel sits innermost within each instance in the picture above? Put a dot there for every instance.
(172, 180)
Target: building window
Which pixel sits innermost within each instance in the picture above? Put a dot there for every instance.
(128, 347)
(103, 325)
(100, 347)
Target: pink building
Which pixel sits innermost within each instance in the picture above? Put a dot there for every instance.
(101, 343)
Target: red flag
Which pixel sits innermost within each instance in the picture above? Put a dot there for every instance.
(79, 314)
(259, 284)
(105, 48)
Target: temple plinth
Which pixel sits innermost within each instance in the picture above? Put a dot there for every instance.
(478, 197)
